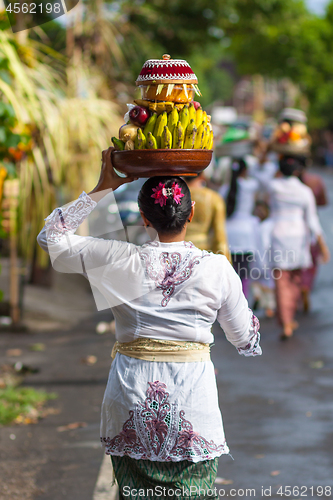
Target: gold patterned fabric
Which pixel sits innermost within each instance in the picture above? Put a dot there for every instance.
(207, 228)
(163, 350)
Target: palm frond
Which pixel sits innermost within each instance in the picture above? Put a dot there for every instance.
(72, 125)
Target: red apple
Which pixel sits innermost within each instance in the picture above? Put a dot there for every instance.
(284, 138)
(139, 115)
(196, 104)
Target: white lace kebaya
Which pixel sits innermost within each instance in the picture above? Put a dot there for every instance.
(170, 291)
(68, 218)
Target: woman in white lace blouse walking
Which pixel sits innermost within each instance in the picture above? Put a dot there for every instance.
(295, 224)
(161, 421)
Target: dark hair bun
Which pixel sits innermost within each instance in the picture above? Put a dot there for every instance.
(290, 165)
(171, 217)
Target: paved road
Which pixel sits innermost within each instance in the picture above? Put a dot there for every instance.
(277, 409)
(42, 462)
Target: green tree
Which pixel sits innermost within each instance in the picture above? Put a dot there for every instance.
(68, 124)
(214, 81)
(275, 38)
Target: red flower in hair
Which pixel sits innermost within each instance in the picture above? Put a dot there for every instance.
(177, 193)
(160, 194)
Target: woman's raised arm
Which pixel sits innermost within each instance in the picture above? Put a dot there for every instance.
(238, 322)
(77, 254)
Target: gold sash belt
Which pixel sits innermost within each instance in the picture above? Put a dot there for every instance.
(163, 350)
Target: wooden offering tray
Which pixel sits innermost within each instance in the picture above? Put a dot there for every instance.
(161, 162)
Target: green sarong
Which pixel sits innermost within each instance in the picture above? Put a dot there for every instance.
(148, 480)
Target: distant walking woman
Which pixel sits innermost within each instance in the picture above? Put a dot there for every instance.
(161, 421)
(242, 225)
(207, 229)
(295, 222)
(316, 184)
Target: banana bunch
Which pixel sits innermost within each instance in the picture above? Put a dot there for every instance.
(188, 128)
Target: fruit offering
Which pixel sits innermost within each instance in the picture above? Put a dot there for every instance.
(166, 116)
(291, 133)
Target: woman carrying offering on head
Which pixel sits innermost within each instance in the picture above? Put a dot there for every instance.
(161, 421)
(295, 224)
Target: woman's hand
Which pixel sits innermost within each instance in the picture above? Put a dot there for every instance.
(108, 178)
(325, 253)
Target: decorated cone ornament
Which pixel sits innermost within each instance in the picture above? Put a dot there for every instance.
(167, 80)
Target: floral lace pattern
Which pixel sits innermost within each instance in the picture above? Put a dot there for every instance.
(61, 220)
(157, 430)
(252, 348)
(189, 244)
(168, 270)
(155, 243)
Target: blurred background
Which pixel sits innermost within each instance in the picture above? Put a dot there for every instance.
(64, 87)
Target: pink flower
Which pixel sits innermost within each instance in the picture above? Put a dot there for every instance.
(128, 435)
(160, 194)
(187, 438)
(177, 193)
(158, 428)
(156, 391)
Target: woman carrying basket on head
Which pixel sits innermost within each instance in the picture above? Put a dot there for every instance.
(295, 224)
(161, 421)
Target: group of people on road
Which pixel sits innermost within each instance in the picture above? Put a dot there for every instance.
(275, 239)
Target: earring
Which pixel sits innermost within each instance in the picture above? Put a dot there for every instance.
(147, 225)
(188, 220)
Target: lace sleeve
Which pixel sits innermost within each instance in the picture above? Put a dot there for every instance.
(68, 218)
(252, 348)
